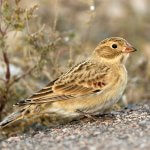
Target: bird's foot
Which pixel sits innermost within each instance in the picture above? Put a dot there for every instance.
(87, 115)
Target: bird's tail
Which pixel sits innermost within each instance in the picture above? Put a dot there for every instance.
(29, 115)
(19, 119)
(10, 119)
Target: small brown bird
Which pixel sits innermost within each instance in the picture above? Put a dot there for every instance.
(89, 87)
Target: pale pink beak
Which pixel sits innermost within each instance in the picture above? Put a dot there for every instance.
(129, 49)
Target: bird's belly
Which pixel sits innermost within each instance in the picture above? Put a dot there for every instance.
(95, 104)
(100, 108)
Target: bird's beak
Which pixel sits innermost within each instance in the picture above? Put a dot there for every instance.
(129, 49)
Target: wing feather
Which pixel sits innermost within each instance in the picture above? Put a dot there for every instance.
(83, 79)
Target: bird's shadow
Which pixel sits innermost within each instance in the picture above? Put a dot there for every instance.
(99, 118)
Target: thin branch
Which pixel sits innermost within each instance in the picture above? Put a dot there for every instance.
(40, 30)
(27, 24)
(2, 33)
(6, 60)
(22, 76)
(56, 15)
(1, 17)
(6, 28)
(1, 2)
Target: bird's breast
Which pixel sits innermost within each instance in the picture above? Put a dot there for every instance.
(110, 96)
(116, 91)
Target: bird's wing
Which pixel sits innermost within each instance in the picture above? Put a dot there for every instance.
(84, 78)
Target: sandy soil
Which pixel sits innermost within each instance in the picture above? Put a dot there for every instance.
(124, 130)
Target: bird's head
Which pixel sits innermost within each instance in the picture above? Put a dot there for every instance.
(114, 49)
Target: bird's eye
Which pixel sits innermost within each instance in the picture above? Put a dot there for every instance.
(114, 46)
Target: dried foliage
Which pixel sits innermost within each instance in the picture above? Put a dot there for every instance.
(41, 39)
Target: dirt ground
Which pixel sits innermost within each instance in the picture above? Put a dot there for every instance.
(124, 130)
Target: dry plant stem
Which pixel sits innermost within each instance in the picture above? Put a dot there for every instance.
(22, 76)
(1, 1)
(4, 95)
(6, 60)
(90, 20)
(56, 15)
(1, 32)
(70, 61)
(8, 80)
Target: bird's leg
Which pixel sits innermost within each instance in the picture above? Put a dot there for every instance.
(87, 115)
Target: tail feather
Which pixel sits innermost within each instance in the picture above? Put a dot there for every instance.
(10, 119)
(16, 116)
(16, 122)
(29, 115)
(23, 116)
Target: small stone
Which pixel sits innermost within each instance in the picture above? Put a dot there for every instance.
(143, 123)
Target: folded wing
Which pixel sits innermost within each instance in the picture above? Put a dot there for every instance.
(84, 78)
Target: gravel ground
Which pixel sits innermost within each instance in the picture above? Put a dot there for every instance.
(125, 130)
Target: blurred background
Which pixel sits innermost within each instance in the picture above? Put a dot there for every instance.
(39, 40)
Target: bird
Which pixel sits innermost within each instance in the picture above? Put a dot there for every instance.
(88, 88)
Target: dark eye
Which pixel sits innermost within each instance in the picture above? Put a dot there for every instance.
(114, 46)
